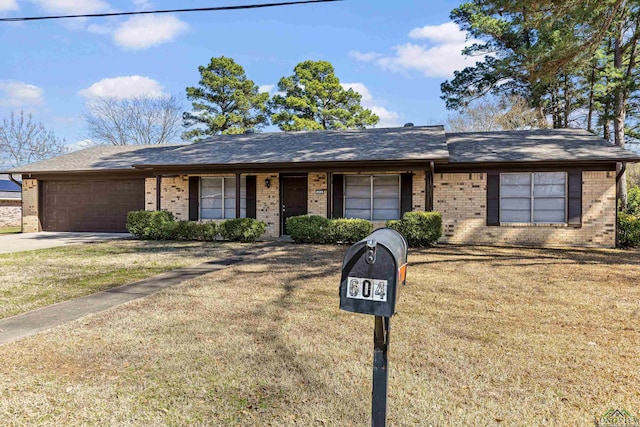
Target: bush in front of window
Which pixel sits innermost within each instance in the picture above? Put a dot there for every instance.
(628, 230)
(191, 230)
(242, 229)
(309, 229)
(421, 229)
(149, 224)
(348, 230)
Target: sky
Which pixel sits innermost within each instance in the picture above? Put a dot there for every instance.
(394, 53)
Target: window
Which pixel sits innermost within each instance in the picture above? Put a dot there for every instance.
(218, 197)
(537, 197)
(372, 197)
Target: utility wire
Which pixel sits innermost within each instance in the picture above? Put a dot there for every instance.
(147, 12)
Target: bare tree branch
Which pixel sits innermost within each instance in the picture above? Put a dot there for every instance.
(135, 121)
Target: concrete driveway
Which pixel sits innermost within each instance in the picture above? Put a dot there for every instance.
(30, 241)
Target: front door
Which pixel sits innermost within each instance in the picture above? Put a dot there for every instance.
(293, 197)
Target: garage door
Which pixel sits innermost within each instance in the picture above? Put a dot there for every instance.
(100, 206)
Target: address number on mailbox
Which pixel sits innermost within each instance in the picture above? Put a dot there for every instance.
(367, 289)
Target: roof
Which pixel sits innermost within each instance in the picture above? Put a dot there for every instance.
(541, 145)
(405, 145)
(426, 143)
(100, 158)
(7, 186)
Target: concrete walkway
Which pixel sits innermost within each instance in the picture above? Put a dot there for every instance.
(19, 242)
(33, 322)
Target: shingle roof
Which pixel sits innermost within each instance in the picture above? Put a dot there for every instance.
(418, 143)
(96, 159)
(542, 145)
(406, 143)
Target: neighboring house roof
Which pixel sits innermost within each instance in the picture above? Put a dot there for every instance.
(390, 146)
(9, 190)
(541, 145)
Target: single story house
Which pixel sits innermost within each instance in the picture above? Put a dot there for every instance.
(541, 187)
(10, 202)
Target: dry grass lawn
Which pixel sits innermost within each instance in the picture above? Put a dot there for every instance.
(34, 279)
(484, 336)
(10, 230)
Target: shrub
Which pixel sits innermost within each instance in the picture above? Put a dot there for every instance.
(309, 229)
(149, 224)
(348, 230)
(628, 230)
(421, 229)
(633, 201)
(242, 229)
(206, 231)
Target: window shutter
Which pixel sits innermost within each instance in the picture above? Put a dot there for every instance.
(194, 194)
(406, 193)
(251, 196)
(574, 208)
(337, 192)
(493, 198)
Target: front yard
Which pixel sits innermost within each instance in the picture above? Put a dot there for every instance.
(484, 336)
(34, 279)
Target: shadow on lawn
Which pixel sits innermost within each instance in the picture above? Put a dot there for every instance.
(502, 255)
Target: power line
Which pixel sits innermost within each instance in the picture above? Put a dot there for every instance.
(148, 12)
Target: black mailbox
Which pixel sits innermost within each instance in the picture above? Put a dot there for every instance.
(373, 271)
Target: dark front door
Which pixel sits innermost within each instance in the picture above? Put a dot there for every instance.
(293, 198)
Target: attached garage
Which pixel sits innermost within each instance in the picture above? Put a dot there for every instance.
(94, 206)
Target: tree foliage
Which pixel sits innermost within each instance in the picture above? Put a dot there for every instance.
(135, 121)
(313, 99)
(224, 102)
(495, 114)
(23, 141)
(564, 57)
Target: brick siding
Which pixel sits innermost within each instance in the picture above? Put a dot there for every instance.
(30, 220)
(461, 198)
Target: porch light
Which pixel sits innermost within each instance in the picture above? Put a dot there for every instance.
(267, 182)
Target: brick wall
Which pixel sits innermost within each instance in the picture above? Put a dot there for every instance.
(268, 203)
(461, 198)
(174, 196)
(150, 194)
(30, 221)
(10, 213)
(317, 203)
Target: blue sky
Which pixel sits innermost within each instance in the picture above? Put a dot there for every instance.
(395, 53)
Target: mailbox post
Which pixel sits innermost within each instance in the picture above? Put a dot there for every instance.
(373, 272)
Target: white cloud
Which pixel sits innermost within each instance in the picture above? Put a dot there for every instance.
(124, 87)
(144, 31)
(440, 57)
(449, 32)
(7, 5)
(387, 118)
(73, 7)
(142, 4)
(266, 88)
(364, 56)
(79, 145)
(20, 94)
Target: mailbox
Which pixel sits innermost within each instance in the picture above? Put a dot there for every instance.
(373, 271)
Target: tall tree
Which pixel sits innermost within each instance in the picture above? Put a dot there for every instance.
(136, 121)
(313, 99)
(547, 51)
(22, 141)
(493, 114)
(225, 101)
